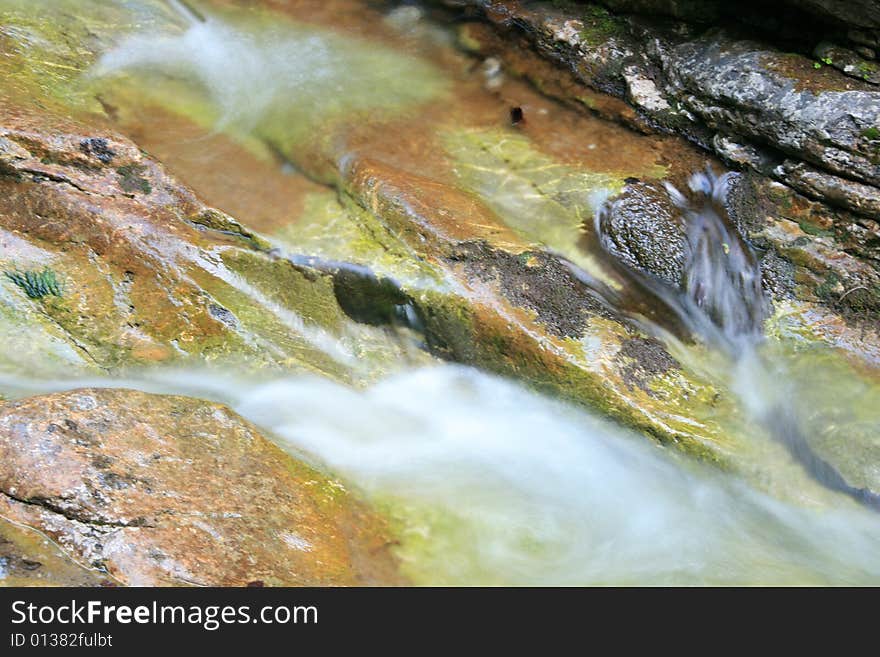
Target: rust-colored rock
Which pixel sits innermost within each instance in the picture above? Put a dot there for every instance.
(166, 490)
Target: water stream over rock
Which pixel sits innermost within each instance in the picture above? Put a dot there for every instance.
(490, 312)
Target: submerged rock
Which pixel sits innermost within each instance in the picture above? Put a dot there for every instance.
(142, 272)
(160, 490)
(645, 231)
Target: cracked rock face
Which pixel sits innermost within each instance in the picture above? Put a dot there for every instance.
(163, 490)
(739, 87)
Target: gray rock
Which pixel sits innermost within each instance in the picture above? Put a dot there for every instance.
(739, 87)
(864, 199)
(861, 13)
(751, 104)
(853, 64)
(643, 229)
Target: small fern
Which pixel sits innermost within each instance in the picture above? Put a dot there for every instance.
(36, 284)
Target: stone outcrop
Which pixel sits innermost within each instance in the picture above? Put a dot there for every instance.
(712, 86)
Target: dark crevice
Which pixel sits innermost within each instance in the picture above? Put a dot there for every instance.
(79, 517)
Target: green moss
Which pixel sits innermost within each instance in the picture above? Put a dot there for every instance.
(867, 69)
(131, 180)
(36, 284)
(599, 25)
(871, 133)
(811, 229)
(828, 289)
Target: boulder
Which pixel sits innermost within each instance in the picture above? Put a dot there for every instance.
(162, 490)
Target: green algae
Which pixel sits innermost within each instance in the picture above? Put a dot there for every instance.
(33, 343)
(49, 45)
(599, 26)
(333, 227)
(131, 180)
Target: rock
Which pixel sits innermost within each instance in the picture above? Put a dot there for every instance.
(142, 266)
(741, 88)
(797, 121)
(435, 211)
(816, 246)
(149, 273)
(29, 558)
(849, 62)
(864, 199)
(405, 214)
(161, 490)
(714, 87)
(646, 231)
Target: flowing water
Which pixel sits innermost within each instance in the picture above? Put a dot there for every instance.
(487, 481)
(490, 483)
(721, 301)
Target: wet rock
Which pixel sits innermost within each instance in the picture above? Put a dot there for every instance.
(858, 197)
(715, 88)
(645, 358)
(159, 490)
(99, 148)
(742, 88)
(804, 242)
(29, 558)
(645, 231)
(537, 281)
(478, 225)
(849, 62)
(144, 271)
